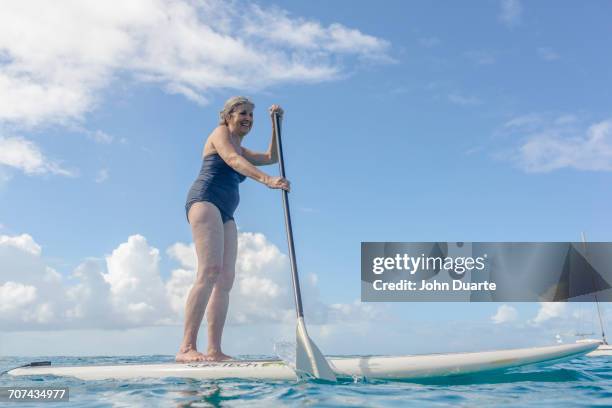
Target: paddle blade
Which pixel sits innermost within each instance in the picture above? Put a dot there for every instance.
(309, 361)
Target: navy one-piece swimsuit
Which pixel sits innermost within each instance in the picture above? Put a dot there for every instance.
(217, 183)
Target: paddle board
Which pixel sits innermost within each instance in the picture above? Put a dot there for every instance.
(375, 367)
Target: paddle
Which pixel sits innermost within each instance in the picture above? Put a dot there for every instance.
(309, 359)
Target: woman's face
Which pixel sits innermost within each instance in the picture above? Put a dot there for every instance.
(240, 120)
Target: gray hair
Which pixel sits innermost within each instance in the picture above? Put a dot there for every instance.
(230, 106)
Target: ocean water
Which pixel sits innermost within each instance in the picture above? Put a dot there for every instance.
(584, 381)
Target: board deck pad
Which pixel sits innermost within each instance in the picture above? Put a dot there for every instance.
(375, 367)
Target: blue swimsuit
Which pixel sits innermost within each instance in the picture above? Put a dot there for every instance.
(217, 183)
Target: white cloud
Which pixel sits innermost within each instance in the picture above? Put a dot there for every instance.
(14, 296)
(101, 137)
(511, 11)
(43, 313)
(524, 121)
(278, 27)
(90, 296)
(548, 311)
(505, 314)
(136, 286)
(549, 145)
(26, 156)
(58, 56)
(24, 242)
(126, 289)
(184, 254)
(23, 268)
(353, 312)
(51, 275)
(177, 288)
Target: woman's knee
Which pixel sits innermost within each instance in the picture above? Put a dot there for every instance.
(225, 281)
(209, 274)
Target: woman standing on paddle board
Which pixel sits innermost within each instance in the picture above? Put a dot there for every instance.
(210, 207)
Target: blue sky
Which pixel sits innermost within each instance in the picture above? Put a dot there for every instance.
(419, 121)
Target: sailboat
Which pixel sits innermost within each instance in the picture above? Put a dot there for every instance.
(604, 348)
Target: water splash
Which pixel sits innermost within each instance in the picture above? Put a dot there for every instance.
(286, 351)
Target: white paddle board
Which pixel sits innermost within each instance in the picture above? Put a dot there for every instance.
(389, 367)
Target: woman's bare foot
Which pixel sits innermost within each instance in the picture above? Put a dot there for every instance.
(190, 356)
(213, 355)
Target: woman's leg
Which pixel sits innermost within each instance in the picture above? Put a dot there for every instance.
(216, 311)
(207, 230)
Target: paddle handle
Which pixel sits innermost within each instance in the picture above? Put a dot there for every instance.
(294, 272)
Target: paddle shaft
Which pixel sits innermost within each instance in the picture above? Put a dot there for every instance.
(294, 272)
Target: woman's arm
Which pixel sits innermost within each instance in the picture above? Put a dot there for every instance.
(221, 141)
(271, 155)
(260, 158)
